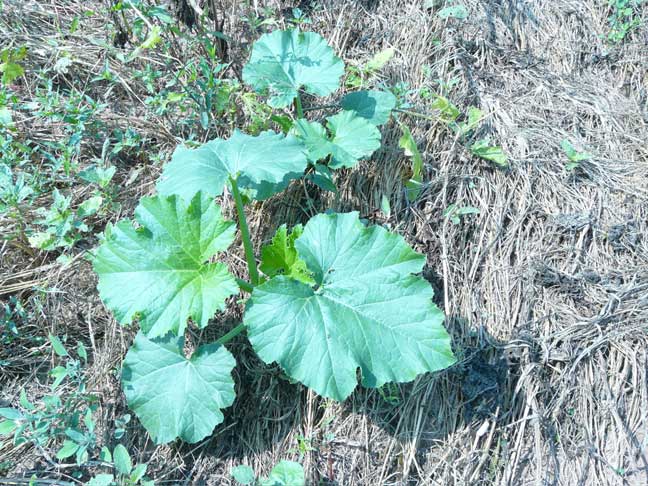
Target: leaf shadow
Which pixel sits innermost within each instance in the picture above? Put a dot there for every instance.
(428, 411)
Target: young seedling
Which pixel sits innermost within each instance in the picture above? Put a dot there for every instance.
(327, 299)
(285, 473)
(484, 150)
(575, 157)
(455, 212)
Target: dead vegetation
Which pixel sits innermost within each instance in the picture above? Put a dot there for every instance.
(545, 290)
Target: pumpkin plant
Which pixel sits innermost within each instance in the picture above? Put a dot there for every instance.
(327, 299)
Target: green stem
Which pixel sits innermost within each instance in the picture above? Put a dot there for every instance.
(245, 233)
(244, 285)
(321, 107)
(417, 114)
(298, 107)
(232, 334)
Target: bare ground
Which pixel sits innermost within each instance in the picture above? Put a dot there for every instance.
(545, 290)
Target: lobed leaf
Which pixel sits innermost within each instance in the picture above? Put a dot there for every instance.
(283, 63)
(174, 396)
(158, 271)
(264, 163)
(366, 311)
(351, 139)
(374, 106)
(314, 137)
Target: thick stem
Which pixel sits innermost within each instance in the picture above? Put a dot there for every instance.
(298, 107)
(245, 233)
(232, 334)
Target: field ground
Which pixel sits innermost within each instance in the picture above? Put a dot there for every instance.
(545, 290)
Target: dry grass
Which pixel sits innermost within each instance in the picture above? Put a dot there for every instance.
(546, 290)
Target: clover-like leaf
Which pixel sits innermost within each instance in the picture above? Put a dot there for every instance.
(351, 139)
(158, 271)
(374, 106)
(280, 257)
(366, 311)
(264, 163)
(174, 396)
(285, 62)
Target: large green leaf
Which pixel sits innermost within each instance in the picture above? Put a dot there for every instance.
(158, 271)
(174, 396)
(265, 163)
(375, 106)
(351, 139)
(285, 62)
(366, 311)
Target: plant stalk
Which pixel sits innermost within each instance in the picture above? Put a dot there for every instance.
(298, 107)
(232, 334)
(244, 285)
(245, 233)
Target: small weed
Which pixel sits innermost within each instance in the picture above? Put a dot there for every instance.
(9, 64)
(624, 18)
(60, 416)
(285, 473)
(63, 226)
(455, 212)
(126, 474)
(575, 157)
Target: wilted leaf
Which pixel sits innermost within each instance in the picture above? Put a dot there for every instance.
(380, 59)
